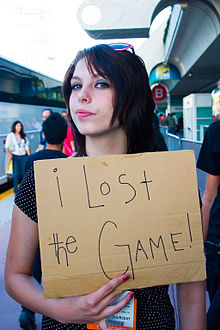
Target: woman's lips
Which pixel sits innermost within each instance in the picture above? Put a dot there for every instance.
(83, 114)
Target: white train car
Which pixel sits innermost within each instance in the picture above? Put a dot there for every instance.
(23, 95)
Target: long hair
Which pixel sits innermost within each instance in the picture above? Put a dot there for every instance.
(133, 102)
(22, 133)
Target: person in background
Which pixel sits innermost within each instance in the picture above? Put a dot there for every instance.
(180, 127)
(110, 104)
(209, 161)
(17, 148)
(171, 123)
(160, 144)
(68, 144)
(173, 114)
(45, 114)
(64, 114)
(54, 131)
(162, 120)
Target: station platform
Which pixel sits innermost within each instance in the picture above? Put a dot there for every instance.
(9, 308)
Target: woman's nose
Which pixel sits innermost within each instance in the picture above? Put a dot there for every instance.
(84, 95)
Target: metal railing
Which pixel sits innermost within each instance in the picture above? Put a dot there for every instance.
(175, 142)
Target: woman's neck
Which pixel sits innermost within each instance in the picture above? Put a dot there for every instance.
(109, 144)
(18, 135)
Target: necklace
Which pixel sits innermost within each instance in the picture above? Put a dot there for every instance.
(18, 143)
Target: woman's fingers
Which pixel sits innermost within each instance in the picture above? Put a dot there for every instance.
(95, 306)
(109, 299)
(103, 325)
(116, 308)
(107, 289)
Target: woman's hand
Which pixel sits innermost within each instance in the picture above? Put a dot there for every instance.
(103, 326)
(8, 153)
(94, 307)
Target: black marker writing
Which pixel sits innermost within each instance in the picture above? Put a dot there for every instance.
(175, 242)
(66, 248)
(134, 191)
(58, 188)
(130, 257)
(99, 247)
(121, 245)
(140, 248)
(190, 233)
(87, 190)
(104, 191)
(146, 182)
(157, 246)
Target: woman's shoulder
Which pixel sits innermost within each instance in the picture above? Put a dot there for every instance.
(10, 137)
(11, 134)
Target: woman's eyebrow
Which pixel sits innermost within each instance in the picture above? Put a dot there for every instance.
(75, 77)
(94, 76)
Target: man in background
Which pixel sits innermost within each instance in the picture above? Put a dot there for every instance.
(45, 114)
(160, 142)
(171, 123)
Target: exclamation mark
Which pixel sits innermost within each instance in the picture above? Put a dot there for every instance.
(190, 233)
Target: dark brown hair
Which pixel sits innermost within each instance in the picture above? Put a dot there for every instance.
(133, 102)
(22, 133)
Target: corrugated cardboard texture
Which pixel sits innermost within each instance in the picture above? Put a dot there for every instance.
(100, 217)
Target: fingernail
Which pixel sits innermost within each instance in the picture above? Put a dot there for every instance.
(125, 277)
(131, 294)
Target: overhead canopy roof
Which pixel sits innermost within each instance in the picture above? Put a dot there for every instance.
(193, 49)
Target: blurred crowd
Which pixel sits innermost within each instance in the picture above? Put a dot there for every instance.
(174, 124)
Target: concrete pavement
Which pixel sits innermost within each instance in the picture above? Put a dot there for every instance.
(9, 309)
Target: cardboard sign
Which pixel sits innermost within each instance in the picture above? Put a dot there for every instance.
(100, 217)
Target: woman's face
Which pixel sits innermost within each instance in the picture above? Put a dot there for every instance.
(91, 102)
(18, 127)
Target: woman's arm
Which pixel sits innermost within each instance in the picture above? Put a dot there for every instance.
(8, 153)
(28, 151)
(211, 190)
(26, 290)
(9, 143)
(192, 305)
(27, 147)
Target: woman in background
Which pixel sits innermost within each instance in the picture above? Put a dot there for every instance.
(17, 148)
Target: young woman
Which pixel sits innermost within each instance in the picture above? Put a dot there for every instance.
(17, 148)
(110, 106)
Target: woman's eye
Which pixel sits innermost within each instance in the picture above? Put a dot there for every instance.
(102, 84)
(76, 86)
